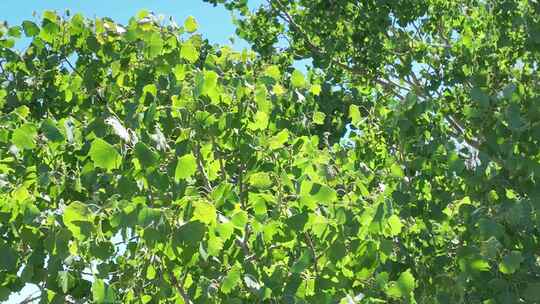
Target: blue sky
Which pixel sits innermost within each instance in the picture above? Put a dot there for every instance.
(214, 22)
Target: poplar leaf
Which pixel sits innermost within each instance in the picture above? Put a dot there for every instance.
(104, 155)
(185, 167)
(190, 24)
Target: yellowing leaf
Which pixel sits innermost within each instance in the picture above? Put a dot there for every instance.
(261, 121)
(204, 212)
(260, 180)
(354, 114)
(189, 52)
(297, 79)
(150, 88)
(279, 139)
(278, 89)
(315, 89)
(190, 24)
(150, 272)
(318, 118)
(273, 72)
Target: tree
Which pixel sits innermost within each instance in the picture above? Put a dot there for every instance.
(141, 164)
(450, 87)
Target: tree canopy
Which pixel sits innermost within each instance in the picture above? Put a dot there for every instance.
(141, 164)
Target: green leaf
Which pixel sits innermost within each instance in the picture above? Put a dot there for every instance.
(104, 155)
(260, 180)
(259, 204)
(532, 292)
(179, 72)
(30, 28)
(232, 279)
(403, 287)
(147, 158)
(8, 262)
(302, 263)
(394, 225)
(48, 127)
(15, 31)
(263, 104)
(297, 79)
(313, 193)
(154, 44)
(190, 24)
(24, 137)
(396, 170)
(279, 139)
(66, 281)
(240, 219)
(204, 212)
(79, 220)
(189, 235)
(189, 52)
(510, 262)
(225, 230)
(323, 193)
(479, 264)
(318, 118)
(49, 31)
(185, 167)
(514, 118)
(102, 293)
(480, 97)
(3, 94)
(147, 216)
(207, 85)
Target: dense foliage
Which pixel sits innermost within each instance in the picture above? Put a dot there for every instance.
(140, 164)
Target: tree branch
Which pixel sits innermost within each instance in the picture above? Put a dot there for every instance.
(179, 286)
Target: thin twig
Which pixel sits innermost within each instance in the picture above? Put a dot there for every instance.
(313, 252)
(30, 299)
(200, 168)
